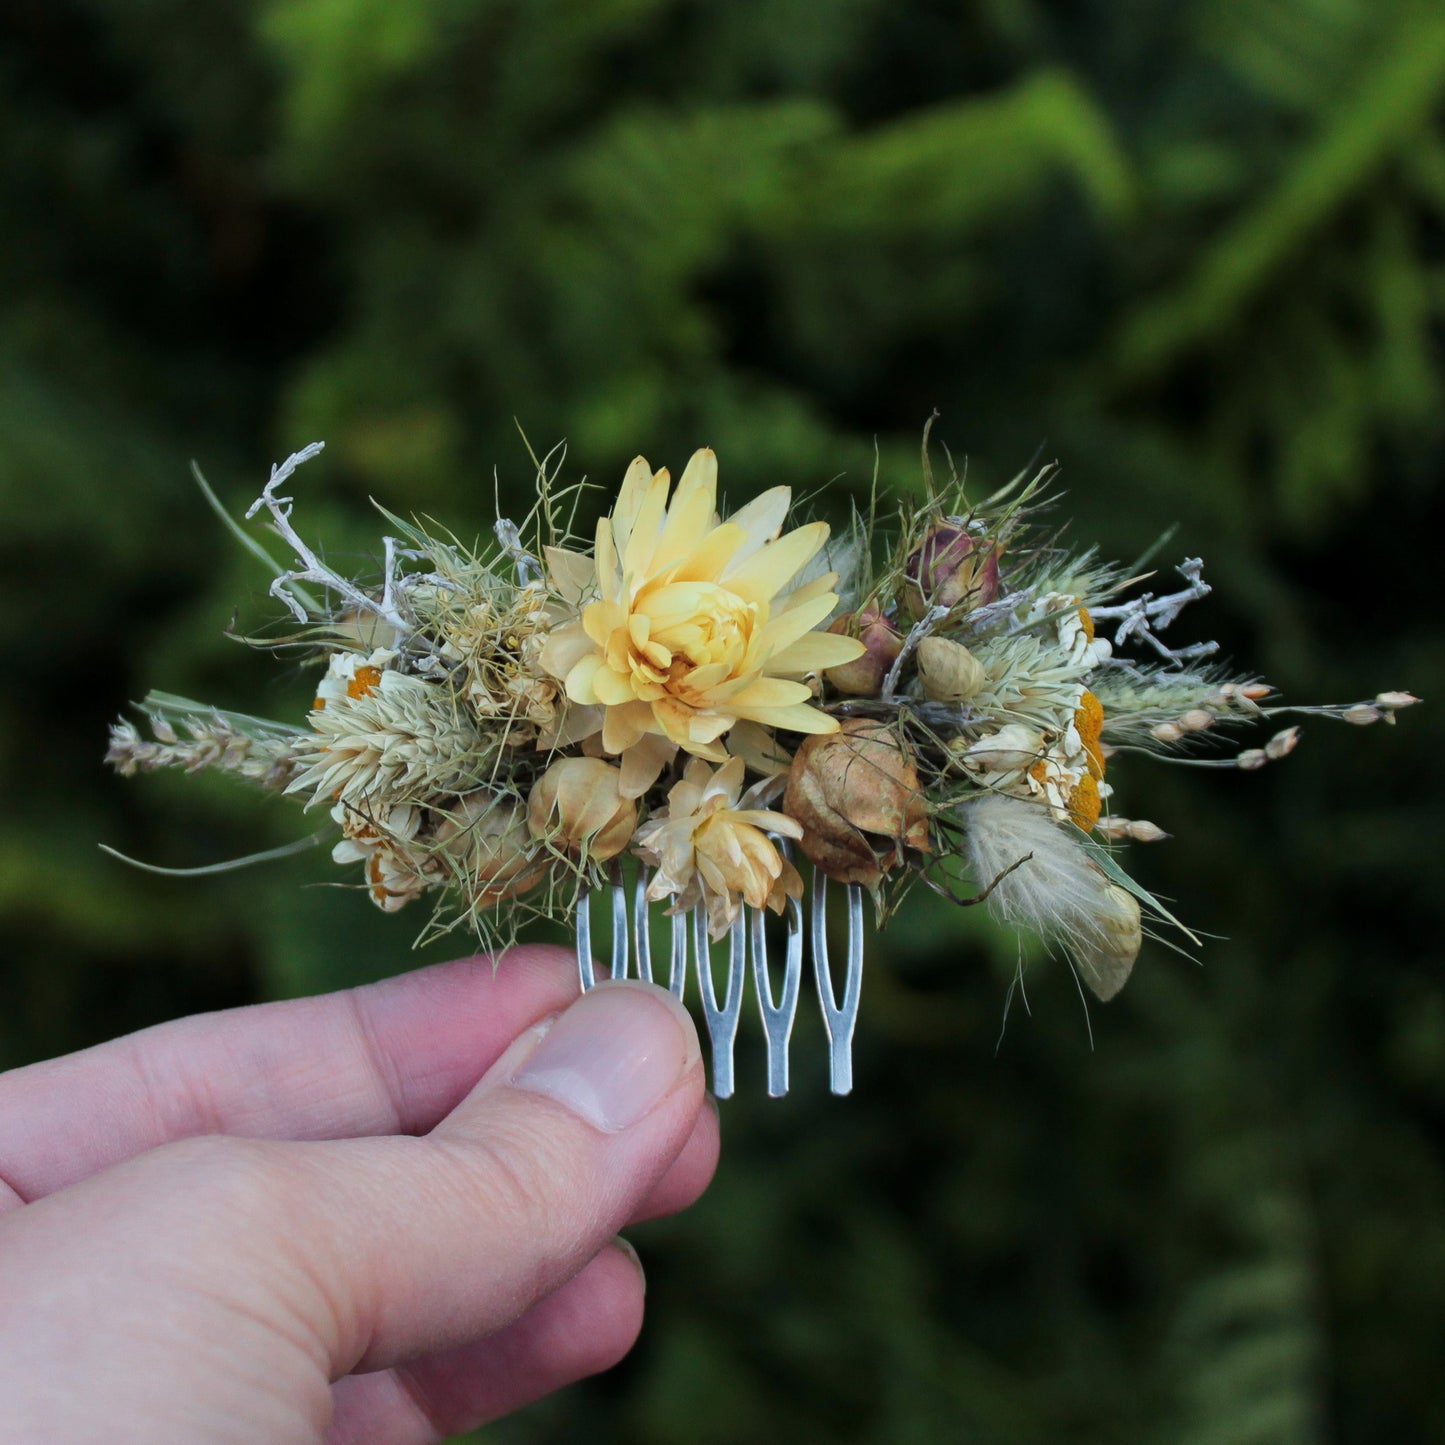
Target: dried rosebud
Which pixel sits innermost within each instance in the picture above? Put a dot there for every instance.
(948, 671)
(948, 567)
(577, 806)
(485, 839)
(857, 795)
(863, 677)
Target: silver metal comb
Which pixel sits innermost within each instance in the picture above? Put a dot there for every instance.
(692, 951)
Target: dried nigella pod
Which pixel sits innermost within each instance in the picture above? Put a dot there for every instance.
(860, 800)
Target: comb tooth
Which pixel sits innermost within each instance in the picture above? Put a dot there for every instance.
(619, 925)
(722, 1019)
(677, 977)
(838, 1019)
(642, 925)
(586, 972)
(778, 1017)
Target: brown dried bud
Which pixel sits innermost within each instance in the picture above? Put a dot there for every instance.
(577, 806)
(485, 838)
(948, 567)
(863, 677)
(948, 671)
(857, 795)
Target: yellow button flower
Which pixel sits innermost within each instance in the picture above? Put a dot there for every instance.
(694, 627)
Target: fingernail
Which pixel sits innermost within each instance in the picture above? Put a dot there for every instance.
(614, 1055)
(626, 1247)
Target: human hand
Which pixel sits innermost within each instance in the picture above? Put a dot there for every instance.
(384, 1215)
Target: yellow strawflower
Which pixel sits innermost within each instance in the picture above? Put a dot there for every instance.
(694, 628)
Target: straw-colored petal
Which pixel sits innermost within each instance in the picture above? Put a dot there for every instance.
(762, 576)
(815, 651)
(762, 519)
(570, 573)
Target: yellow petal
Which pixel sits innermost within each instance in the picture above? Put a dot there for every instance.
(800, 718)
(787, 627)
(707, 562)
(816, 651)
(579, 679)
(762, 519)
(761, 577)
(635, 486)
(601, 619)
(565, 648)
(690, 514)
(769, 692)
(646, 528)
(828, 582)
(610, 688)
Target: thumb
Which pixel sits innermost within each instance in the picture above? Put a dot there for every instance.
(358, 1253)
(417, 1244)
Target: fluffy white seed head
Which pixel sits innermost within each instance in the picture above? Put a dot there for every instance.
(1056, 889)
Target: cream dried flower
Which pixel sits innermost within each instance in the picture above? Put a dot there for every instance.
(693, 629)
(711, 847)
(577, 807)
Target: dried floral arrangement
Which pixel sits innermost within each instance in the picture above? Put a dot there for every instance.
(498, 727)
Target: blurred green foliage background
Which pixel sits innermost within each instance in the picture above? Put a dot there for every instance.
(1193, 250)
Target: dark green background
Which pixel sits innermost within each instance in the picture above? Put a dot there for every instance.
(1192, 250)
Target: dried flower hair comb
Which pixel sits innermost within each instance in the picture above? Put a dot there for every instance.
(702, 697)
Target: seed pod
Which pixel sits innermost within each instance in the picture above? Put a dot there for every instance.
(950, 566)
(1282, 744)
(857, 795)
(1391, 701)
(577, 806)
(1362, 714)
(1196, 720)
(485, 841)
(863, 677)
(1251, 759)
(1105, 955)
(948, 671)
(1167, 732)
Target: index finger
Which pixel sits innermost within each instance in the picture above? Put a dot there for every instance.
(390, 1058)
